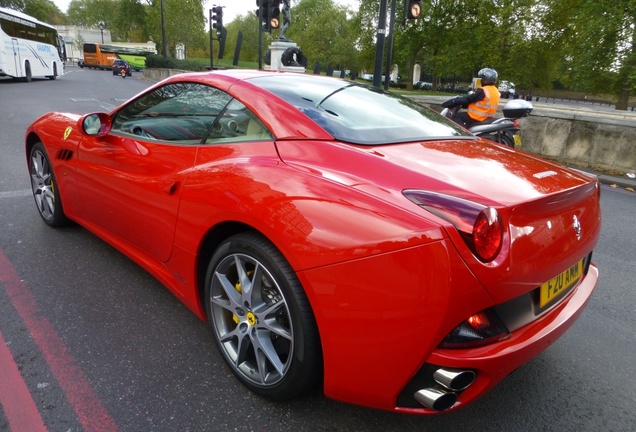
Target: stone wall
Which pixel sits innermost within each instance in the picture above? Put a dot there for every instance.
(596, 141)
(153, 74)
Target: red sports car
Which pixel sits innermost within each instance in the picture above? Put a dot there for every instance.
(330, 233)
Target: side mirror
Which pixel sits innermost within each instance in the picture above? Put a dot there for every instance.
(96, 124)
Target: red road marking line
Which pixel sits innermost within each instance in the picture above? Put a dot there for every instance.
(88, 408)
(15, 398)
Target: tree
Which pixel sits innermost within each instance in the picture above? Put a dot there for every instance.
(89, 13)
(325, 33)
(44, 10)
(248, 25)
(453, 39)
(126, 19)
(184, 23)
(13, 4)
(600, 52)
(130, 23)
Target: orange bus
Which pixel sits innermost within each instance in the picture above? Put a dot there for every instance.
(102, 56)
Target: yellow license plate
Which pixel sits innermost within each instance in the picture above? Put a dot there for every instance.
(517, 139)
(558, 285)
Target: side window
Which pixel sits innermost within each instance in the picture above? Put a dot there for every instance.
(237, 123)
(179, 113)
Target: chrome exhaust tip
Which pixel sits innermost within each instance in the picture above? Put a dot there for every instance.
(455, 380)
(435, 399)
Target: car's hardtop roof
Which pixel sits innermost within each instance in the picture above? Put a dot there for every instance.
(347, 111)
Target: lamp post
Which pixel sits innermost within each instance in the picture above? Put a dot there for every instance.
(101, 29)
(379, 45)
(164, 50)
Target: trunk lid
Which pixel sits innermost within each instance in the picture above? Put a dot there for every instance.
(551, 213)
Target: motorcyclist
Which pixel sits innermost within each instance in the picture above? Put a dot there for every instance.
(481, 105)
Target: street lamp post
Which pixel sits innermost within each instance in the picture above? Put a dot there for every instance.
(101, 29)
(164, 49)
(379, 45)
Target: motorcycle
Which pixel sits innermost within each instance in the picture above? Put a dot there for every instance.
(122, 72)
(504, 130)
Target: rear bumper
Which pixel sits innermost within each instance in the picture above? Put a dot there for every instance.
(492, 363)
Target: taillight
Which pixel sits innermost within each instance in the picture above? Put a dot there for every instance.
(480, 226)
(480, 329)
(487, 234)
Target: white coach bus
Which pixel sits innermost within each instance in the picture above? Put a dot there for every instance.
(28, 47)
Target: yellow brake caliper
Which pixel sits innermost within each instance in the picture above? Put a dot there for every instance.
(250, 316)
(239, 288)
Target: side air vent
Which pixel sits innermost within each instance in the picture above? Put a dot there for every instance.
(64, 154)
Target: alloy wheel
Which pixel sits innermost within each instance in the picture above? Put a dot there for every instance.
(251, 320)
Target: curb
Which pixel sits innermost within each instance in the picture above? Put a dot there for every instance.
(609, 179)
(624, 182)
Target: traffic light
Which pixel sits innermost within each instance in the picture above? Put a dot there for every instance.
(217, 20)
(273, 14)
(263, 13)
(414, 9)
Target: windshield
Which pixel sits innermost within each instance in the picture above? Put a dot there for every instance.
(358, 113)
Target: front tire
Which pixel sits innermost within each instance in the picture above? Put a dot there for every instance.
(54, 76)
(45, 191)
(261, 318)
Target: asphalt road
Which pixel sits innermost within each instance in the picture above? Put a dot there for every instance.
(100, 345)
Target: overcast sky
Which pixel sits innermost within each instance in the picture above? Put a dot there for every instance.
(232, 9)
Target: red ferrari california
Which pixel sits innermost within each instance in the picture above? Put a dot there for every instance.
(331, 234)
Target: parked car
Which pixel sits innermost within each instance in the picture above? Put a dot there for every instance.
(385, 255)
(118, 65)
(507, 89)
(423, 85)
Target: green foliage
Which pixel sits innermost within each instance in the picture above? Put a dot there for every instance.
(130, 22)
(13, 4)
(184, 22)
(324, 34)
(158, 61)
(194, 64)
(43, 10)
(88, 13)
(248, 25)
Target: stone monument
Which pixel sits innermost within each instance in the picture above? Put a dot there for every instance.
(285, 54)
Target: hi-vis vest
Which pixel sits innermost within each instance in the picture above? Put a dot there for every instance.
(487, 107)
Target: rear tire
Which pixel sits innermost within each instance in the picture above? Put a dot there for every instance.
(261, 318)
(27, 72)
(507, 140)
(502, 138)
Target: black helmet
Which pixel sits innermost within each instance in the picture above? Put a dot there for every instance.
(488, 76)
